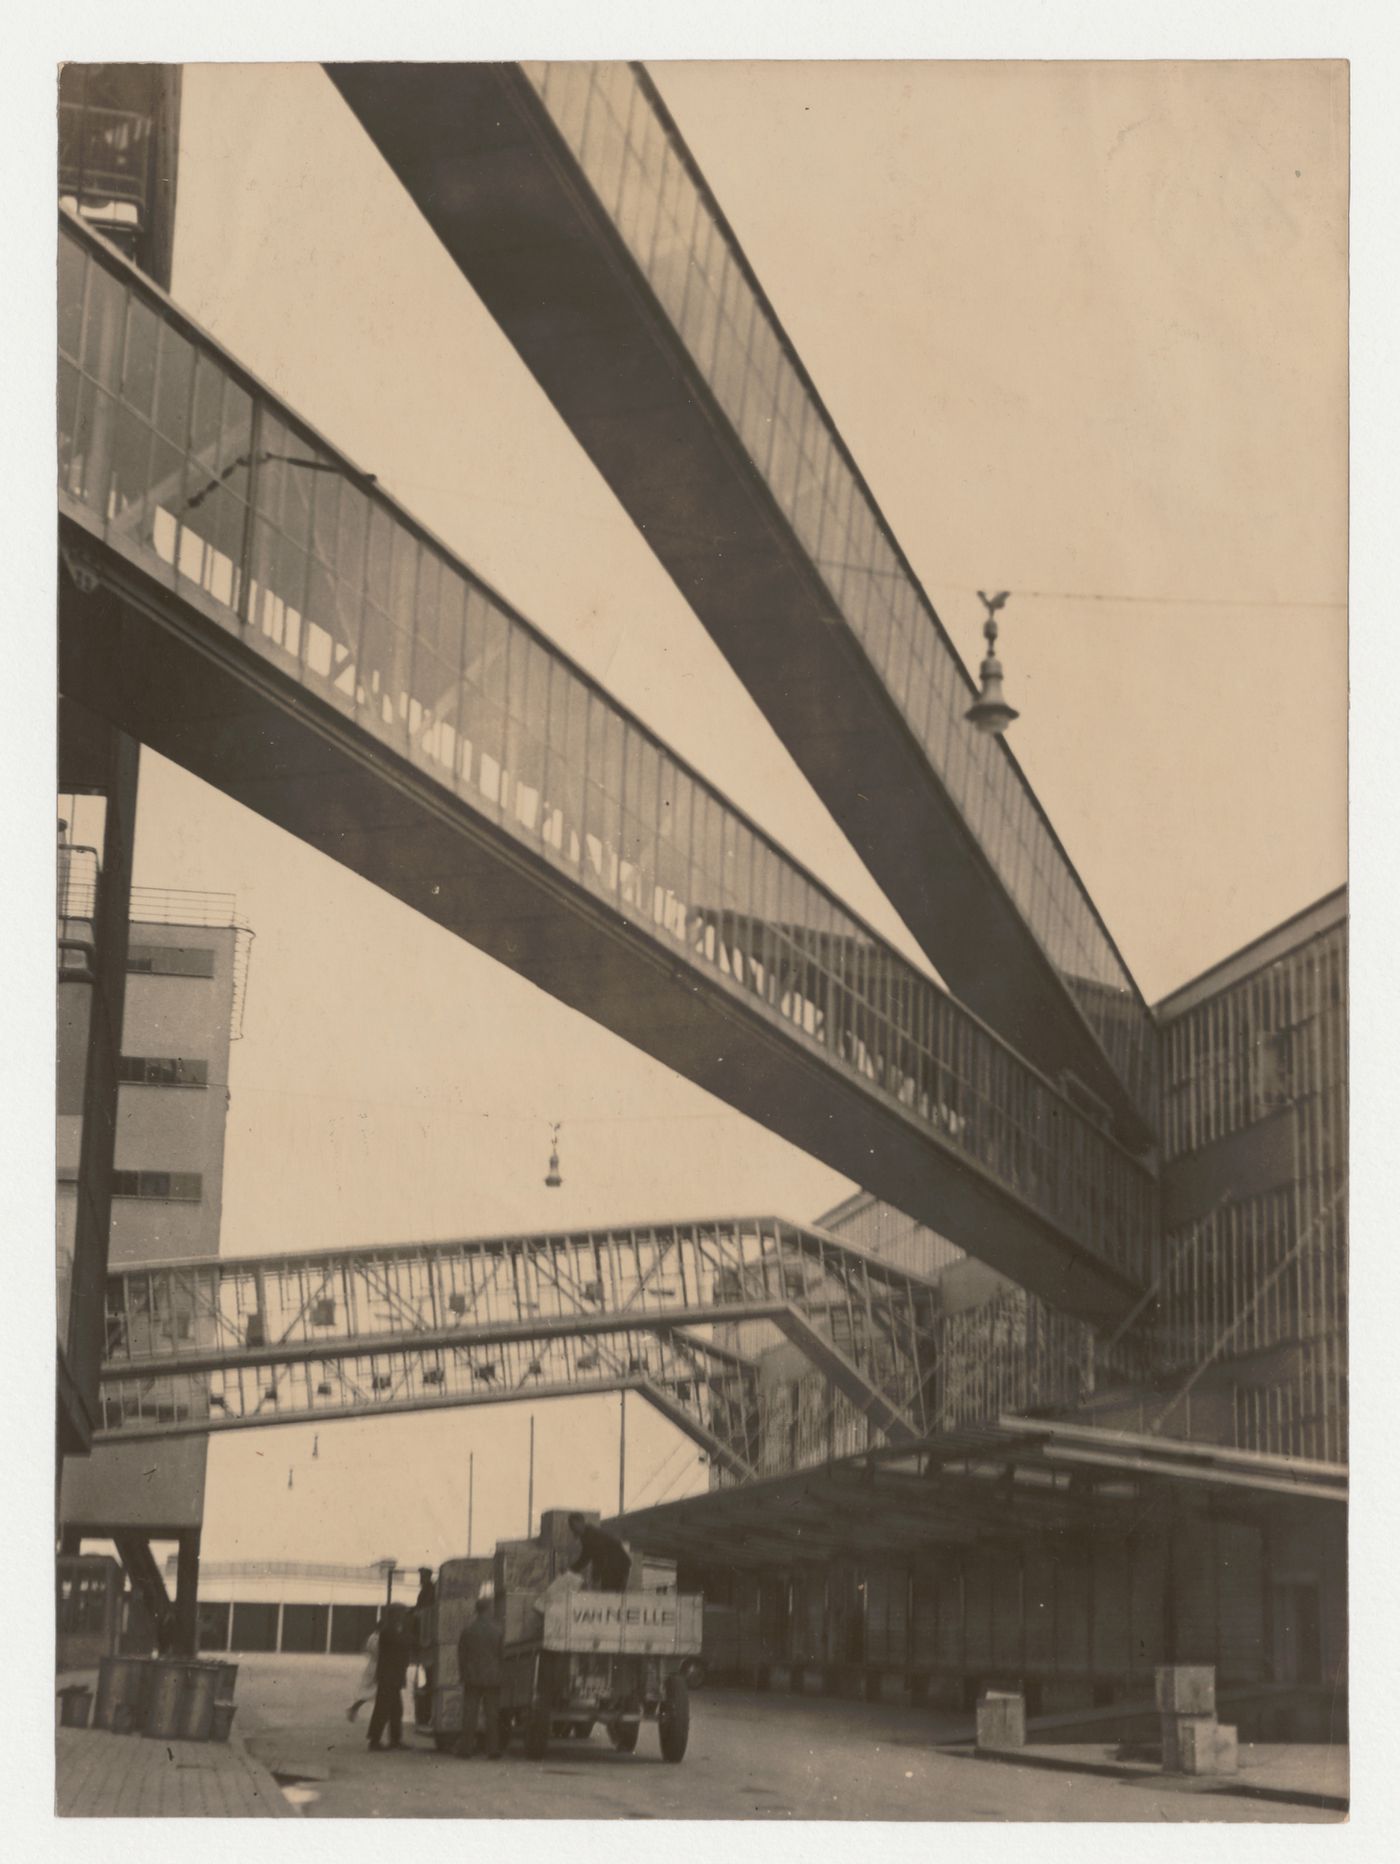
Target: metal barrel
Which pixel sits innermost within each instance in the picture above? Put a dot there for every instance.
(197, 1701)
(75, 1704)
(123, 1688)
(166, 1702)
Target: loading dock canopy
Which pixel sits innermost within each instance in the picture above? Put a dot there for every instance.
(1016, 1476)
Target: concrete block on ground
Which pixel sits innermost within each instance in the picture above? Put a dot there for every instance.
(1227, 1749)
(1207, 1748)
(1001, 1719)
(1186, 1688)
(1183, 1738)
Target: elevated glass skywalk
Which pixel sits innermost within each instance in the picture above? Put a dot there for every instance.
(573, 205)
(177, 467)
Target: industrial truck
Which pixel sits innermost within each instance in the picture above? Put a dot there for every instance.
(573, 1658)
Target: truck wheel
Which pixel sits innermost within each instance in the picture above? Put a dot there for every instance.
(536, 1731)
(673, 1720)
(623, 1736)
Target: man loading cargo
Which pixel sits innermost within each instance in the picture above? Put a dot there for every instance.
(609, 1560)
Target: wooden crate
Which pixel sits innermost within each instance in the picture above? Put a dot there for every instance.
(463, 1579)
(522, 1566)
(556, 1534)
(453, 1617)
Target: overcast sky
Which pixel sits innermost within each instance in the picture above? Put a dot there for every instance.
(1084, 330)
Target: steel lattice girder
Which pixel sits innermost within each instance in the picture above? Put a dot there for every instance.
(236, 1342)
(711, 1398)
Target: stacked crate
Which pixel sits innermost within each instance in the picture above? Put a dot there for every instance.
(520, 1571)
(1193, 1741)
(556, 1534)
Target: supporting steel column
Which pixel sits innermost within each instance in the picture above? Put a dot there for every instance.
(97, 760)
(187, 1594)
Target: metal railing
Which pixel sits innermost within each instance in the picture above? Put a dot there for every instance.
(183, 464)
(79, 871)
(104, 154)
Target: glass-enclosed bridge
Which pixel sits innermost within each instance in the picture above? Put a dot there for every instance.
(239, 596)
(569, 200)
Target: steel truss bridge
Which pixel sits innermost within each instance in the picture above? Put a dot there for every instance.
(240, 1343)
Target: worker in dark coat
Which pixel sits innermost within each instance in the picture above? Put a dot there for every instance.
(479, 1666)
(425, 1625)
(396, 1650)
(609, 1560)
(423, 1605)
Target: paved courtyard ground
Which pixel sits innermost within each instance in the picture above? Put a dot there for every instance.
(751, 1757)
(105, 1776)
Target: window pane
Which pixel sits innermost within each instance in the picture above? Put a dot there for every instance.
(139, 371)
(72, 272)
(102, 330)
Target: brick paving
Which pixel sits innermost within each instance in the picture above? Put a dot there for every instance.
(107, 1776)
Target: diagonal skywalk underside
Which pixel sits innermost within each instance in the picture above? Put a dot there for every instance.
(237, 595)
(570, 202)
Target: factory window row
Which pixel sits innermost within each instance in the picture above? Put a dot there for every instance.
(1275, 1039)
(177, 1187)
(170, 960)
(163, 1071)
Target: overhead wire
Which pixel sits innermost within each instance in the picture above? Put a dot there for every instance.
(667, 1491)
(1041, 595)
(1154, 601)
(473, 1113)
(660, 1470)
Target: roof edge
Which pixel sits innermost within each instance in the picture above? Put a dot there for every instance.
(1308, 923)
